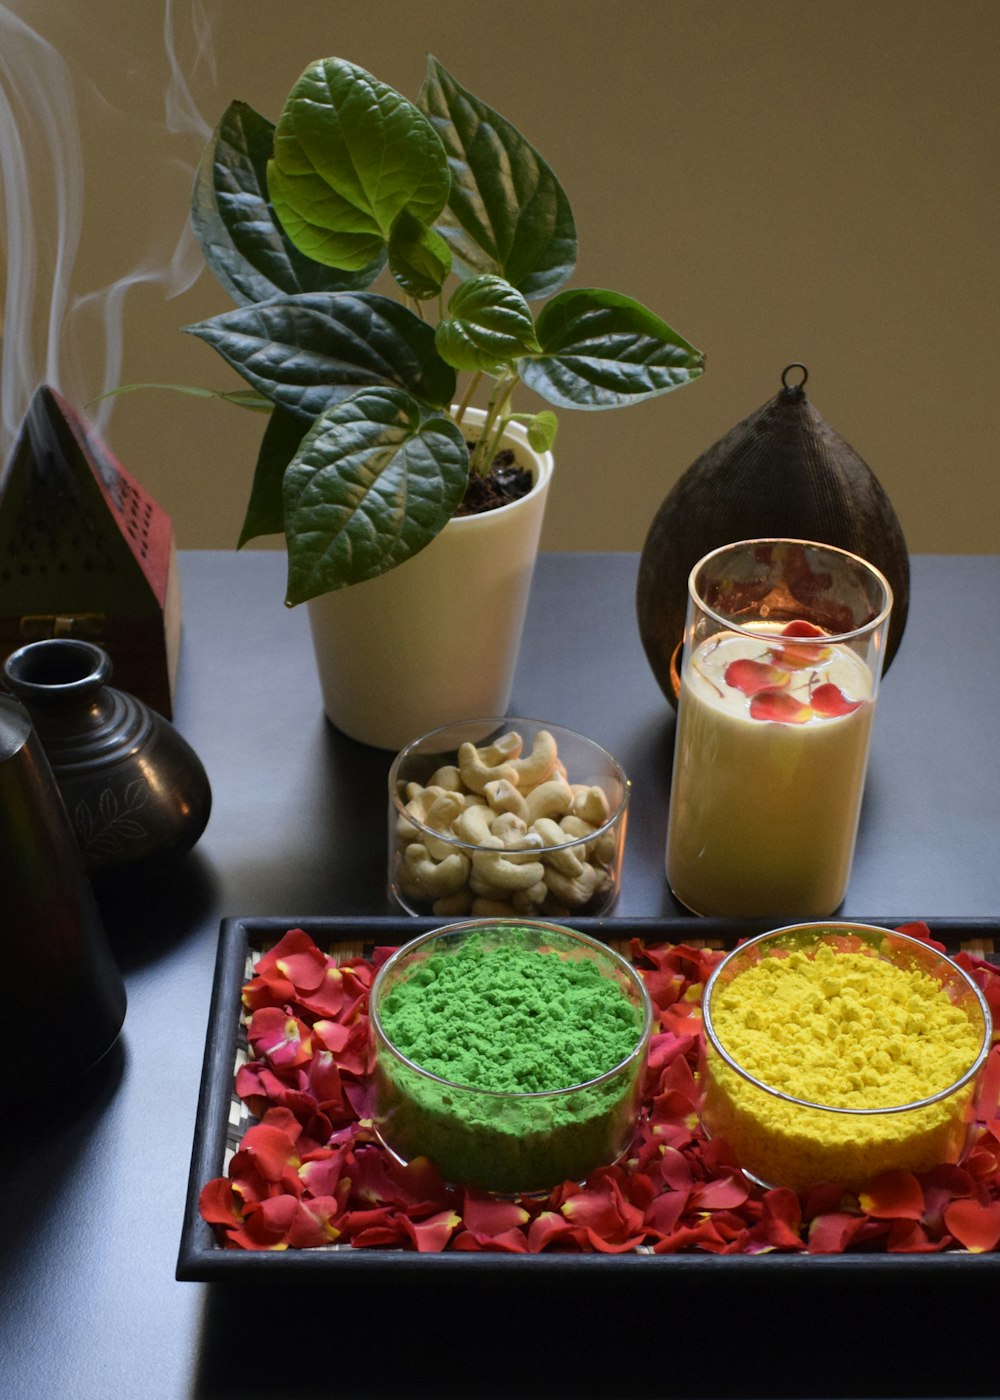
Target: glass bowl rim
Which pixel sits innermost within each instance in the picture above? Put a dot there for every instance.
(487, 922)
(848, 926)
(865, 630)
(510, 721)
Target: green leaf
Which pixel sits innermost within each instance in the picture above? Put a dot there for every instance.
(603, 350)
(542, 429)
(350, 154)
(489, 324)
(375, 480)
(419, 259)
(507, 212)
(265, 511)
(306, 352)
(243, 244)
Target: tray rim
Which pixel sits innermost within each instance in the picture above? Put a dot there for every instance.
(201, 1259)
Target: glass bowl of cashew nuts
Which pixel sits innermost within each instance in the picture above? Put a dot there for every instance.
(506, 817)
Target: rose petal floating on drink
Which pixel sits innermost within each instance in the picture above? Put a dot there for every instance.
(829, 699)
(780, 707)
(801, 654)
(753, 676)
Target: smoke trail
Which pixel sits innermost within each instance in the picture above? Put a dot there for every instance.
(51, 330)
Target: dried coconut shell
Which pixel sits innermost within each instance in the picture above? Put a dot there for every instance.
(783, 472)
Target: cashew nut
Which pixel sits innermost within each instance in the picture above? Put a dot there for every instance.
(508, 871)
(529, 901)
(576, 892)
(592, 805)
(447, 777)
(473, 825)
(538, 765)
(551, 799)
(508, 826)
(442, 810)
(476, 772)
(503, 796)
(567, 861)
(436, 877)
(508, 746)
(439, 815)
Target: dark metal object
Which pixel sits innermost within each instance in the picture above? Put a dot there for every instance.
(65, 999)
(136, 792)
(782, 472)
(86, 552)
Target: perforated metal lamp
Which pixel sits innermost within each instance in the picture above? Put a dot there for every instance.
(86, 552)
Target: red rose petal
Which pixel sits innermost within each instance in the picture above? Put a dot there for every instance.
(322, 1172)
(664, 1214)
(988, 1101)
(267, 1225)
(219, 1204)
(548, 1227)
(374, 1229)
(799, 627)
(779, 708)
(272, 1149)
(781, 1219)
(754, 676)
(431, 1235)
(705, 1235)
(282, 1039)
(313, 1223)
(975, 1225)
(600, 1208)
(508, 1242)
(831, 1234)
(895, 1195)
(830, 700)
(721, 1194)
(910, 1237)
(486, 1215)
(797, 657)
(305, 969)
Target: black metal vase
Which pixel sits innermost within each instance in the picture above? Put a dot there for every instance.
(65, 1000)
(136, 793)
(783, 472)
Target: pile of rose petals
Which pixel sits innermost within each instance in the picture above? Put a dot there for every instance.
(310, 1171)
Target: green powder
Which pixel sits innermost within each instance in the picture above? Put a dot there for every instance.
(510, 1019)
(517, 1025)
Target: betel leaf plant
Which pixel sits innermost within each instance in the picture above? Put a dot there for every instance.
(364, 459)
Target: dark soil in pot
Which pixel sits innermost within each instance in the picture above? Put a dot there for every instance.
(507, 482)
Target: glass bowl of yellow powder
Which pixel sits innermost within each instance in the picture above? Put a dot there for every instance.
(837, 1051)
(509, 1052)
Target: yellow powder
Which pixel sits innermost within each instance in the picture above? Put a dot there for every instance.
(848, 1030)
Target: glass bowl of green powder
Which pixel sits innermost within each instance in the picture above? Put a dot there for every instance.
(509, 1052)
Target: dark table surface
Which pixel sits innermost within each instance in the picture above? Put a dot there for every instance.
(93, 1184)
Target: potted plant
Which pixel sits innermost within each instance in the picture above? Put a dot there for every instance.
(371, 447)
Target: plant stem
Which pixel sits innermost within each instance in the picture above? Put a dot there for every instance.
(467, 396)
(496, 420)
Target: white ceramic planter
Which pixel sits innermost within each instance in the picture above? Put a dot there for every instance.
(436, 639)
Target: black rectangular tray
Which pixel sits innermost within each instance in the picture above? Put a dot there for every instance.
(221, 1121)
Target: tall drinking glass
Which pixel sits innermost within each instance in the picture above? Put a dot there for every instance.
(783, 649)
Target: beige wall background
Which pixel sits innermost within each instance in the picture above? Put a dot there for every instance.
(781, 180)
